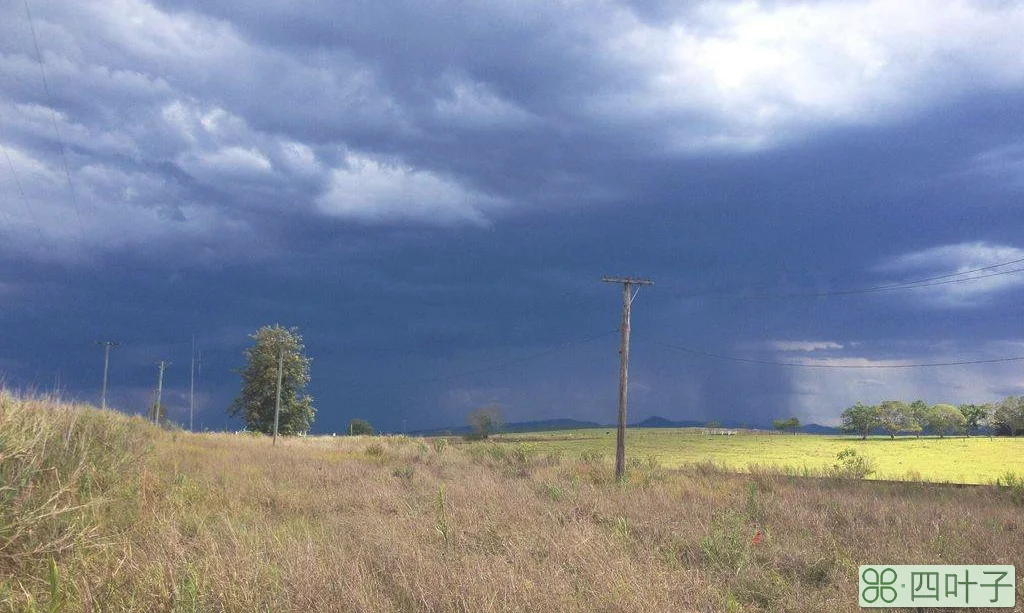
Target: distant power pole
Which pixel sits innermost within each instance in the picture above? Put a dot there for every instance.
(280, 375)
(159, 390)
(627, 302)
(106, 366)
(192, 386)
(199, 377)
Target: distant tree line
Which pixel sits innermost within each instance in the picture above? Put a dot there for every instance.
(1005, 417)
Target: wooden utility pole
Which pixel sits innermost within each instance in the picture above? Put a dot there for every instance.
(192, 386)
(106, 366)
(627, 302)
(199, 376)
(280, 374)
(159, 390)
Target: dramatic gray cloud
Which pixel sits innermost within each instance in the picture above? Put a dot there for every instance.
(427, 189)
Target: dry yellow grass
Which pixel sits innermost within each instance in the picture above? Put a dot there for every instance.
(219, 522)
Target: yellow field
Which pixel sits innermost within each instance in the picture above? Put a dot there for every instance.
(952, 459)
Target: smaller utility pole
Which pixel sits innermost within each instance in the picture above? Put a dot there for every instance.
(199, 377)
(192, 386)
(627, 303)
(106, 366)
(280, 375)
(159, 390)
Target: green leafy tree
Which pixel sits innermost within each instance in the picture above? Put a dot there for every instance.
(786, 425)
(1009, 415)
(990, 422)
(255, 403)
(945, 419)
(974, 415)
(484, 421)
(860, 419)
(917, 412)
(360, 427)
(894, 417)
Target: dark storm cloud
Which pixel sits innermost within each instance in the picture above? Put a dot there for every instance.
(432, 190)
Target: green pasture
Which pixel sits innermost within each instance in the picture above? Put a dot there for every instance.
(978, 459)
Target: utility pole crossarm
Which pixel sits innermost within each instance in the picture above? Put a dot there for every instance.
(630, 280)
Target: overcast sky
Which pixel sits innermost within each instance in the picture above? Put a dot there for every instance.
(431, 192)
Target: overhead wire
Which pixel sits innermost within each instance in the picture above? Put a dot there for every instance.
(944, 279)
(17, 183)
(53, 120)
(833, 366)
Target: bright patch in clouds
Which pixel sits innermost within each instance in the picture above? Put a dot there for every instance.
(369, 189)
(804, 345)
(948, 261)
(766, 72)
(1003, 165)
(237, 161)
(473, 104)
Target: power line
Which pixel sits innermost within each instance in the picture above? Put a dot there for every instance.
(913, 284)
(965, 272)
(17, 183)
(11, 229)
(832, 366)
(918, 283)
(974, 278)
(53, 120)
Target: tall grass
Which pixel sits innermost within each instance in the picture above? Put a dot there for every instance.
(112, 514)
(62, 487)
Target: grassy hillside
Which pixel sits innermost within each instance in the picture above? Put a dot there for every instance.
(953, 459)
(106, 513)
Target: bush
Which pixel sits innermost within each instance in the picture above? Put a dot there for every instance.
(1012, 483)
(852, 465)
(484, 422)
(360, 427)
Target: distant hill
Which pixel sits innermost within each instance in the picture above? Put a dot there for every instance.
(660, 422)
(819, 429)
